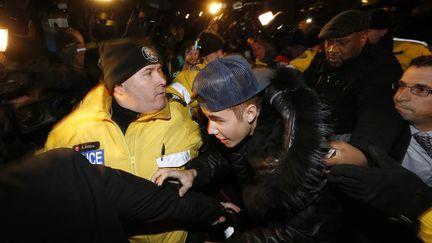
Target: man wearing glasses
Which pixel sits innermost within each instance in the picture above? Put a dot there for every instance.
(390, 188)
(413, 101)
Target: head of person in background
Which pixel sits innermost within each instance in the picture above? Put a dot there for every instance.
(310, 36)
(344, 37)
(413, 98)
(291, 43)
(70, 47)
(380, 29)
(210, 45)
(263, 50)
(132, 74)
(299, 40)
(190, 53)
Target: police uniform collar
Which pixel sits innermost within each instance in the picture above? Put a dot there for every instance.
(122, 116)
(163, 114)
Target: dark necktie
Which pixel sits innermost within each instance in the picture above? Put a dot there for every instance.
(425, 141)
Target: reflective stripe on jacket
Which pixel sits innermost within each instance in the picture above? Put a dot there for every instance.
(405, 50)
(182, 85)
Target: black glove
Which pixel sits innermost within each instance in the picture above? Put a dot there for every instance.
(395, 191)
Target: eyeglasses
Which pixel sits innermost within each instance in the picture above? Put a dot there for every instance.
(418, 90)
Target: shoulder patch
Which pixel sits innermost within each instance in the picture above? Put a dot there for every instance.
(149, 55)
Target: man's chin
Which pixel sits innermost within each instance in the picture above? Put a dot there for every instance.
(335, 64)
(226, 142)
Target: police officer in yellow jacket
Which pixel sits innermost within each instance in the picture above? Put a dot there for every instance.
(381, 32)
(210, 46)
(128, 123)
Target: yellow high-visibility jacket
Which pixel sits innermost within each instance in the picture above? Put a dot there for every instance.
(425, 232)
(182, 85)
(406, 49)
(90, 130)
(303, 61)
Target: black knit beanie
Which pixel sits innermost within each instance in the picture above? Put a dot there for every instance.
(380, 19)
(122, 58)
(209, 42)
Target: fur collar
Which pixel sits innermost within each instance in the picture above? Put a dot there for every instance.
(285, 150)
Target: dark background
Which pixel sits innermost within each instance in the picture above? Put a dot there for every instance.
(161, 18)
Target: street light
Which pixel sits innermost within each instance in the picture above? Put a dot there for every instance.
(215, 7)
(3, 39)
(266, 18)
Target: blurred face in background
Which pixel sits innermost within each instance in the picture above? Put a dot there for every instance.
(258, 50)
(340, 50)
(80, 55)
(375, 35)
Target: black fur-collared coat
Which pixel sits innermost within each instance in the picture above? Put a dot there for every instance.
(279, 167)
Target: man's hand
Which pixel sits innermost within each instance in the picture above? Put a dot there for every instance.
(186, 178)
(395, 191)
(229, 208)
(345, 154)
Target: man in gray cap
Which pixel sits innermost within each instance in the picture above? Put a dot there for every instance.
(127, 122)
(355, 78)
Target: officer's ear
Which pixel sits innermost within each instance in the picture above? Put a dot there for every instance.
(119, 88)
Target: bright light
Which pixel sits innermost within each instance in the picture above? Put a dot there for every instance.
(364, 1)
(220, 16)
(308, 20)
(3, 39)
(215, 8)
(280, 27)
(266, 18)
(187, 16)
(103, 1)
(200, 14)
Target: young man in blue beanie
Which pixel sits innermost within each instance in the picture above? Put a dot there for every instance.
(272, 126)
(129, 121)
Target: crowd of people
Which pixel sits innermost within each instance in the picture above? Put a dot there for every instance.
(325, 140)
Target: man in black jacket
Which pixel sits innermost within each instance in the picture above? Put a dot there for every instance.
(273, 134)
(354, 78)
(59, 196)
